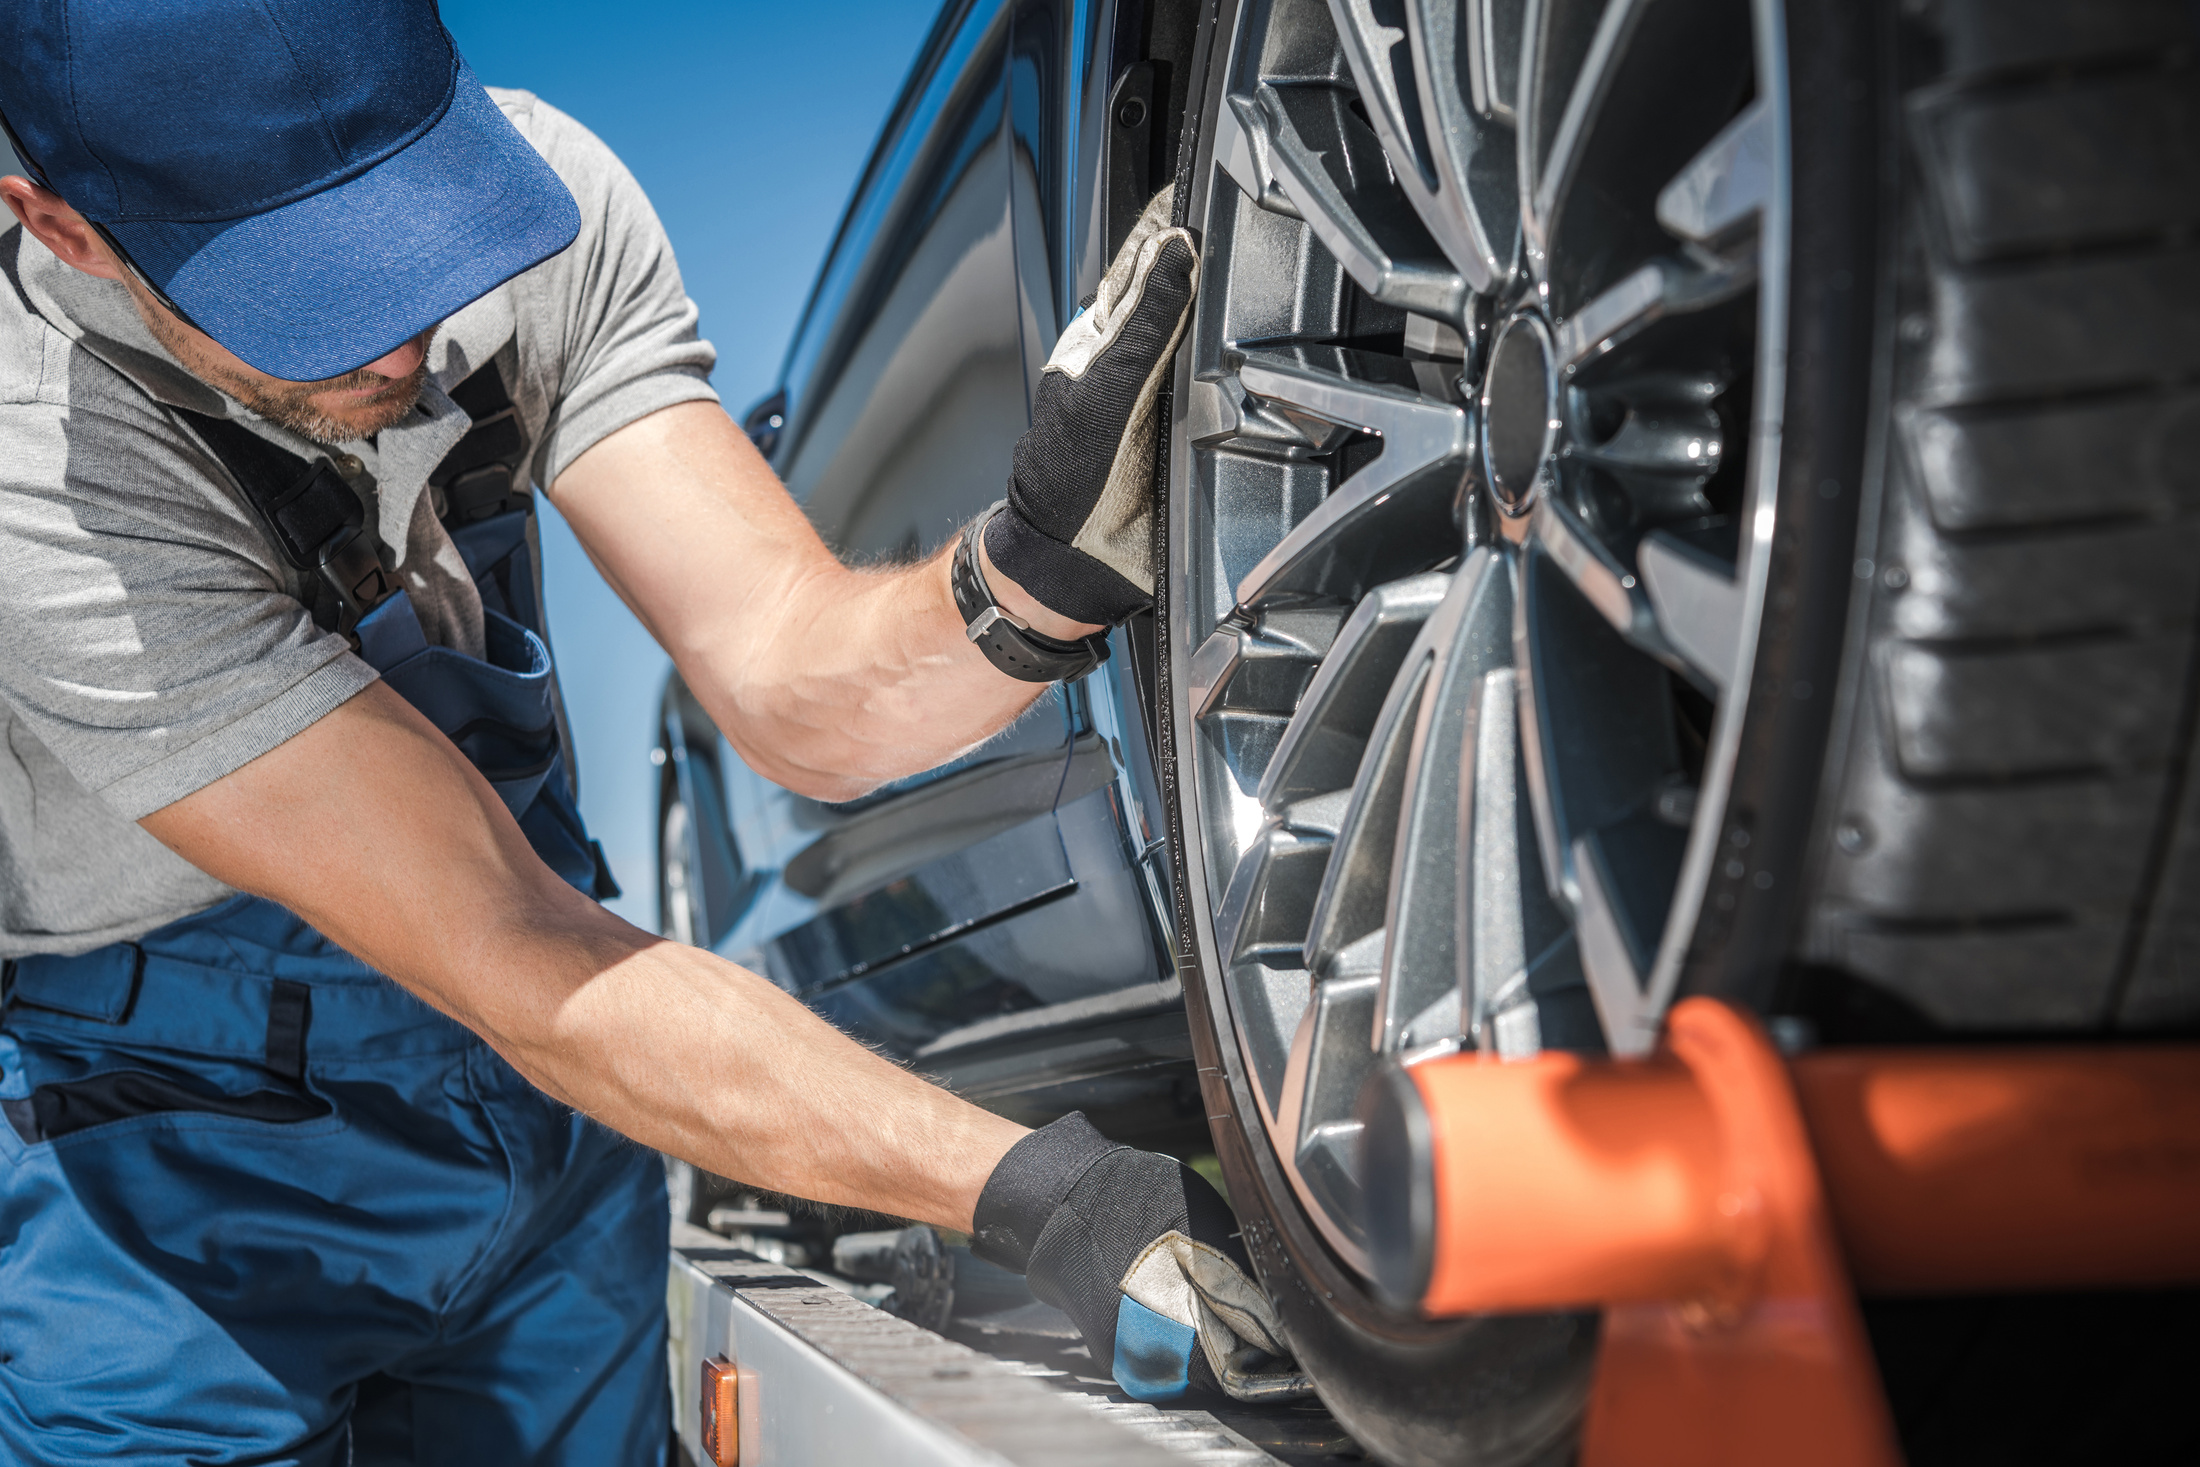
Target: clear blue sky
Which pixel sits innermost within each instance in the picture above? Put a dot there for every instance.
(746, 122)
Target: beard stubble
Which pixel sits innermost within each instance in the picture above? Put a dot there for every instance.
(290, 404)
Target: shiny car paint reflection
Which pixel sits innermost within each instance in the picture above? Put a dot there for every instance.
(1003, 921)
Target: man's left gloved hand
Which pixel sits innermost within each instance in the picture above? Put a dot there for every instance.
(1078, 530)
(1143, 1255)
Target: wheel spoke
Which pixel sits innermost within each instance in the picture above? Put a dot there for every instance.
(1312, 1123)
(1723, 191)
(1403, 55)
(1219, 413)
(1391, 96)
(1545, 1004)
(1264, 667)
(1603, 581)
(1332, 167)
(1470, 634)
(1393, 517)
(1596, 721)
(1662, 288)
(1244, 151)
(1697, 601)
(1497, 891)
(1682, 606)
(1615, 981)
(1656, 84)
(1555, 41)
(1338, 1060)
(1288, 137)
(1263, 915)
(1355, 888)
(1267, 1006)
(1476, 153)
(1321, 749)
(1570, 129)
(1519, 969)
(1624, 877)
(1493, 59)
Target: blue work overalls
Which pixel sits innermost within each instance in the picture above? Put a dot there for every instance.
(258, 1204)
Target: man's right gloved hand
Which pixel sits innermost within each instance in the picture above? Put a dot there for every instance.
(1143, 1255)
(1078, 530)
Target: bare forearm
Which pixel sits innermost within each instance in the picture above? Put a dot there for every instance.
(680, 1050)
(687, 1053)
(867, 677)
(828, 679)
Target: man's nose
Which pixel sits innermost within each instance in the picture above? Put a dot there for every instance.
(399, 363)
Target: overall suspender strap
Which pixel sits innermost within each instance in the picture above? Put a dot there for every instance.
(484, 474)
(317, 521)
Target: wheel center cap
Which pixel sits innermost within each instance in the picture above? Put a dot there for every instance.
(1519, 412)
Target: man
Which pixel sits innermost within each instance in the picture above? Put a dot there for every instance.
(295, 314)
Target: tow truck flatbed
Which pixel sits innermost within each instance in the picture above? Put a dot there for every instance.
(824, 1378)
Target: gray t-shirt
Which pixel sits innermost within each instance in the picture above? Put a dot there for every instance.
(152, 638)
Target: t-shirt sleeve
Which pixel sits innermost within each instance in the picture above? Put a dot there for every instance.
(141, 642)
(621, 339)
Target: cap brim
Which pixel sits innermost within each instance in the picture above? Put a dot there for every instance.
(343, 277)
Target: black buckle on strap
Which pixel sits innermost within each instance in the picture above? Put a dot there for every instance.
(485, 473)
(1007, 643)
(349, 567)
(316, 519)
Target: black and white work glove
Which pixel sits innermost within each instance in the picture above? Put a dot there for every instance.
(1143, 1255)
(1078, 530)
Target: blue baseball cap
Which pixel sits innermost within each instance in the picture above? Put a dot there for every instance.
(312, 183)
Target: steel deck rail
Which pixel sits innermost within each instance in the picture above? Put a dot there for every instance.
(823, 1378)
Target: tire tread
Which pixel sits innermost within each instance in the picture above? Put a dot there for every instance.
(2012, 844)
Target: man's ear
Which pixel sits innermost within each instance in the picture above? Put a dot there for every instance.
(59, 227)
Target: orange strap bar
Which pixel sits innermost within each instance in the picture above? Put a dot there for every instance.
(1561, 1181)
(1714, 1200)
(1979, 1170)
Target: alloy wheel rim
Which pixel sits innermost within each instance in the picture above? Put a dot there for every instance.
(1467, 623)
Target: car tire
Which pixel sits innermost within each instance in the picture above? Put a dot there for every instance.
(1845, 633)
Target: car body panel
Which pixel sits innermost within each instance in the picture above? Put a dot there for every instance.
(902, 395)
(1003, 920)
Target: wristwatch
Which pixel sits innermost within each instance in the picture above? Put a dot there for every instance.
(1007, 642)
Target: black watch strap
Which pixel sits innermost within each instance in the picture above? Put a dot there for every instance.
(1007, 643)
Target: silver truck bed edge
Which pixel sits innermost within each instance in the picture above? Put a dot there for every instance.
(826, 1379)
